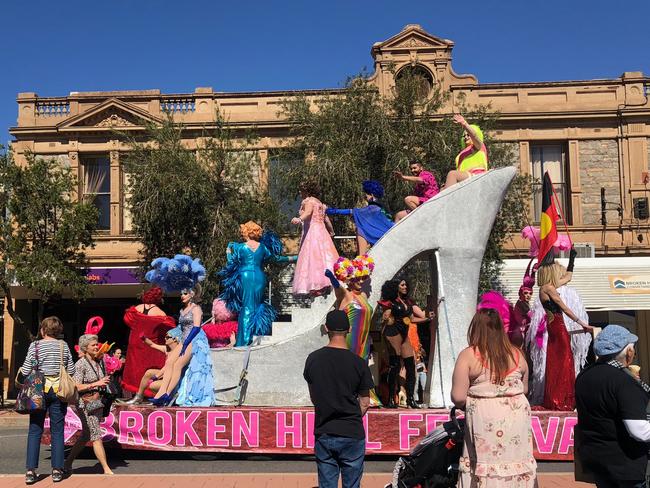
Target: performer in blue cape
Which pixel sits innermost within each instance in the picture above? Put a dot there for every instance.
(244, 281)
(372, 221)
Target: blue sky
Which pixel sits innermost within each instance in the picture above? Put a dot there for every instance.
(53, 48)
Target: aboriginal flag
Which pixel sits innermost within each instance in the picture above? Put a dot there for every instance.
(548, 223)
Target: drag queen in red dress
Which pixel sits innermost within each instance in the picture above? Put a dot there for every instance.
(559, 391)
(148, 320)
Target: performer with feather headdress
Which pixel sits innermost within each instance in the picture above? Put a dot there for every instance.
(191, 382)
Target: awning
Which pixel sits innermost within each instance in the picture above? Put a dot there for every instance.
(616, 283)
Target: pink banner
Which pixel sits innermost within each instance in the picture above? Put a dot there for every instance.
(291, 430)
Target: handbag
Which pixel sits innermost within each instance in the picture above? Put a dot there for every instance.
(103, 398)
(108, 396)
(67, 387)
(31, 397)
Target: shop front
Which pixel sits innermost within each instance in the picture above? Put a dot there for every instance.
(614, 290)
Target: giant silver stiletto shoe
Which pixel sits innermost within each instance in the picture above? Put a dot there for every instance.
(450, 231)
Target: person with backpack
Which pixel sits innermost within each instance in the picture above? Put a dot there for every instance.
(48, 355)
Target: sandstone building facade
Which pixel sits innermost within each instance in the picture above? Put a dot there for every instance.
(589, 134)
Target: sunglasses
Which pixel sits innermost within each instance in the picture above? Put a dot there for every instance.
(168, 337)
(185, 293)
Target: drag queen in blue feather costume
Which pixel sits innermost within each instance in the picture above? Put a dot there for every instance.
(372, 221)
(244, 281)
(190, 383)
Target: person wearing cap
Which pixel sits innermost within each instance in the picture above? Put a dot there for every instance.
(339, 387)
(613, 432)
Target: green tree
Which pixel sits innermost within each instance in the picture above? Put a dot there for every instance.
(44, 230)
(358, 134)
(193, 200)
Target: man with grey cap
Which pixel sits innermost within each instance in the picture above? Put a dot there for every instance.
(339, 386)
(613, 431)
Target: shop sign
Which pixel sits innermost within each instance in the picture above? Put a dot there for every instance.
(629, 284)
(112, 276)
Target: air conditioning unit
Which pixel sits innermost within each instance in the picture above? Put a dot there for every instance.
(584, 249)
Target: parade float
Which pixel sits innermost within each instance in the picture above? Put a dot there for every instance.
(263, 403)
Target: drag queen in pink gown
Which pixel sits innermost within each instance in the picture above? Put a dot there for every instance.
(317, 252)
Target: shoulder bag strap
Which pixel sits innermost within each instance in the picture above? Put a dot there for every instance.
(61, 345)
(37, 367)
(93, 368)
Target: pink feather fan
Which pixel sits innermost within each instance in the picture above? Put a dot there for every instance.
(496, 301)
(563, 242)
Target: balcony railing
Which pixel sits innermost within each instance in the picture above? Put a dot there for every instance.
(178, 105)
(53, 108)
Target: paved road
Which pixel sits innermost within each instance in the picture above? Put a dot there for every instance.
(126, 461)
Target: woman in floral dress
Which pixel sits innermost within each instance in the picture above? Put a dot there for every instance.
(490, 382)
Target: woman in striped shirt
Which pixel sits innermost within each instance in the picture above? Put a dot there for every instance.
(46, 355)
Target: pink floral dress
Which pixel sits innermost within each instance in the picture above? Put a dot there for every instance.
(498, 449)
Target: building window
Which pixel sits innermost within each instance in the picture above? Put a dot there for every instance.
(551, 158)
(419, 76)
(279, 162)
(97, 186)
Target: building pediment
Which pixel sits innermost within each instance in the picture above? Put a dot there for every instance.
(110, 114)
(412, 36)
(415, 47)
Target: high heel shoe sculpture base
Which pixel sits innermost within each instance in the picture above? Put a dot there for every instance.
(456, 223)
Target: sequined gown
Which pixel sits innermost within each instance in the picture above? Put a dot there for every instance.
(559, 388)
(317, 252)
(196, 388)
(359, 312)
(255, 316)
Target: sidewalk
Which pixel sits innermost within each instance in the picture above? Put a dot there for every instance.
(257, 480)
(9, 418)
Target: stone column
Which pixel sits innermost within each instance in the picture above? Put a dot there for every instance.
(73, 157)
(116, 208)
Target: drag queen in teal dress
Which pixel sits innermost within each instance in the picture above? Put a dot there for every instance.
(244, 281)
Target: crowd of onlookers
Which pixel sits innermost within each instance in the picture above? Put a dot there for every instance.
(95, 392)
(490, 383)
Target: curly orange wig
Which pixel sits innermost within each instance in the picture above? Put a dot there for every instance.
(251, 230)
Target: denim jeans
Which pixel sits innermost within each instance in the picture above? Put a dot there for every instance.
(56, 410)
(342, 455)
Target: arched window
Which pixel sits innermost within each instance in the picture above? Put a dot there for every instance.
(416, 78)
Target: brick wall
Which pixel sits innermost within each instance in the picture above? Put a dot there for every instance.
(598, 168)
